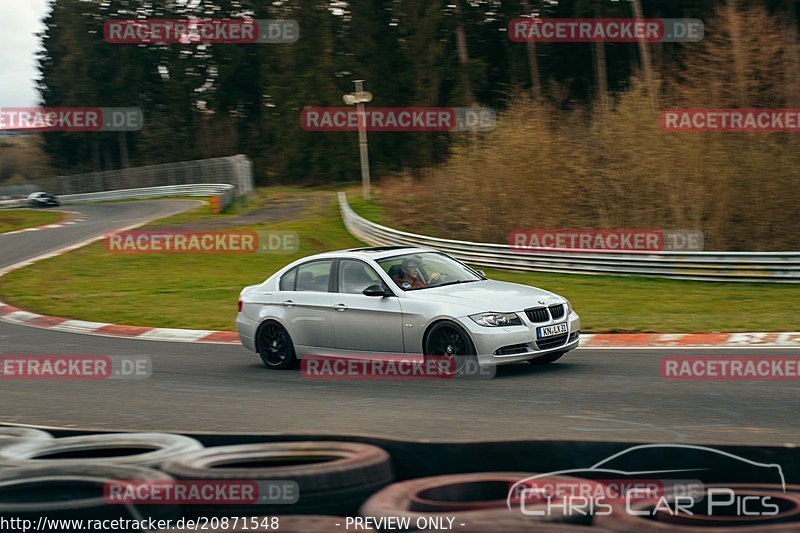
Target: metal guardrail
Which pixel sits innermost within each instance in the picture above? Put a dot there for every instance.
(227, 177)
(225, 191)
(6, 204)
(236, 170)
(769, 267)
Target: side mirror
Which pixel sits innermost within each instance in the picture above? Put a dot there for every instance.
(481, 273)
(376, 290)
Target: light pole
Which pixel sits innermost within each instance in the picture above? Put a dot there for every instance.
(359, 98)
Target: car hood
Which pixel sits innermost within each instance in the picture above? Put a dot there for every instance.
(488, 295)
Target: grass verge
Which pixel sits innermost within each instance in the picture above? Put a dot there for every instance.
(17, 219)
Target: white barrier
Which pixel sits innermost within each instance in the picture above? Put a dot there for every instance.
(768, 267)
(226, 191)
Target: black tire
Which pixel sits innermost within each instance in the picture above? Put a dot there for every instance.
(332, 477)
(546, 359)
(449, 347)
(275, 346)
(468, 498)
(75, 491)
(14, 435)
(132, 449)
(286, 524)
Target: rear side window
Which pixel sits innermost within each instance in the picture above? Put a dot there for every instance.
(287, 280)
(355, 276)
(314, 276)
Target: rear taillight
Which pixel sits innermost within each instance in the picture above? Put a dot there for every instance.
(240, 305)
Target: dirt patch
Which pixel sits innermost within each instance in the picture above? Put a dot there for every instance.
(274, 210)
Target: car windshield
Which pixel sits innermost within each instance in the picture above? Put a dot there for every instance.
(427, 269)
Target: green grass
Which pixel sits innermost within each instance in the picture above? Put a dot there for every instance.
(200, 291)
(179, 291)
(16, 219)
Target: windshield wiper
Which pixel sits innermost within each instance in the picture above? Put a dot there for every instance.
(456, 282)
(443, 284)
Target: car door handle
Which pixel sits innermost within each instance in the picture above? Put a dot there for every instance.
(340, 307)
(287, 303)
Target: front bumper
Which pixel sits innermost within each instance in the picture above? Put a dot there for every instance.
(515, 344)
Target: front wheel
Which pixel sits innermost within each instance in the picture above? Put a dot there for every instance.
(545, 359)
(275, 346)
(449, 347)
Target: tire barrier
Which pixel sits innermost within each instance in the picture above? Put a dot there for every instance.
(331, 477)
(336, 478)
(133, 449)
(11, 435)
(286, 524)
(470, 498)
(75, 491)
(769, 509)
(517, 524)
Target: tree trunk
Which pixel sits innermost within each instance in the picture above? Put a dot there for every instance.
(463, 53)
(644, 51)
(123, 150)
(600, 68)
(533, 63)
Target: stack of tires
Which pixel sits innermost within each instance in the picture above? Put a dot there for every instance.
(69, 478)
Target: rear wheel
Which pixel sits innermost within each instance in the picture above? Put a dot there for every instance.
(545, 359)
(275, 346)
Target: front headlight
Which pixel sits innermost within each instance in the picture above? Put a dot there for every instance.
(496, 319)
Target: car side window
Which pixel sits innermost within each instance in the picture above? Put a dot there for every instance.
(287, 280)
(314, 276)
(355, 276)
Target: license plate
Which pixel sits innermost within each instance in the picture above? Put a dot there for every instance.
(543, 332)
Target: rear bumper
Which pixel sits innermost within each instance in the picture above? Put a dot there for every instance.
(247, 331)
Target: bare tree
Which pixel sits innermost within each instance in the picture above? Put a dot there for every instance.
(533, 63)
(644, 52)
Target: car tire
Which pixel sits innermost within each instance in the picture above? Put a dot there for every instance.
(460, 360)
(15, 435)
(132, 449)
(332, 477)
(76, 491)
(649, 515)
(546, 359)
(286, 524)
(281, 355)
(477, 496)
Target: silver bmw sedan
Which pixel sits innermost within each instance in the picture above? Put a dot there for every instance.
(415, 302)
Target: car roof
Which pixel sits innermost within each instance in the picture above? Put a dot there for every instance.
(375, 253)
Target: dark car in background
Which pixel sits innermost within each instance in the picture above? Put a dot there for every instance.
(42, 199)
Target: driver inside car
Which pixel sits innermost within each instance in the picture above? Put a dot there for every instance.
(410, 278)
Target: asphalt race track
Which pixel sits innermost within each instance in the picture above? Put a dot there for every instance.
(590, 395)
